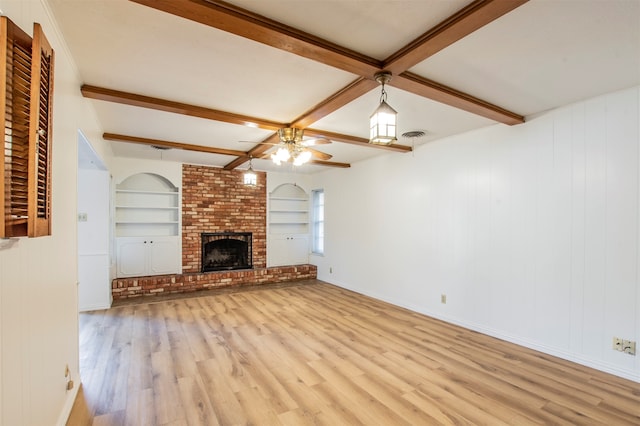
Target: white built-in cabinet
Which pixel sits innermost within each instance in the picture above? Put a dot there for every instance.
(288, 242)
(140, 256)
(147, 226)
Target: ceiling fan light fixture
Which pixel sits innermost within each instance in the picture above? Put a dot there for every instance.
(382, 123)
(291, 148)
(290, 134)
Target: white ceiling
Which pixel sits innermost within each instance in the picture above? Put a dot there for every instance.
(542, 55)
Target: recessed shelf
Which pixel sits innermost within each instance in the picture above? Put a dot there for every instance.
(147, 207)
(137, 191)
(146, 222)
(289, 199)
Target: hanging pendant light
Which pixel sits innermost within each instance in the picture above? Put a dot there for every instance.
(250, 177)
(382, 123)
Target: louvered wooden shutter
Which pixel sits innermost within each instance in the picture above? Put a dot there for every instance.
(26, 95)
(39, 223)
(15, 76)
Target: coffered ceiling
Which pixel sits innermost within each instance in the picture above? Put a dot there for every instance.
(214, 79)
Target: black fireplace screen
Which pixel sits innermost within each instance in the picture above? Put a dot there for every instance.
(226, 250)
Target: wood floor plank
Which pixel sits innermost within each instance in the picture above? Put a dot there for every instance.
(140, 408)
(221, 395)
(315, 354)
(166, 394)
(194, 395)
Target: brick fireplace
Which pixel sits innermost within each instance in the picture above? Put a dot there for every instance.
(215, 200)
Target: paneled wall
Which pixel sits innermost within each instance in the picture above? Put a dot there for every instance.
(530, 231)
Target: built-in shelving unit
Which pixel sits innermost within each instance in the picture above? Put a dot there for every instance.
(147, 212)
(147, 226)
(288, 210)
(288, 225)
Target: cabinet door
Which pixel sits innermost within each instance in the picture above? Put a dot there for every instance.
(289, 250)
(132, 256)
(164, 256)
(298, 250)
(277, 250)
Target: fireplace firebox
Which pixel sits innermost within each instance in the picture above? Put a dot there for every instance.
(226, 250)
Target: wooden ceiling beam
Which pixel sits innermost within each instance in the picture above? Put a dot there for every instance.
(235, 20)
(330, 164)
(469, 19)
(169, 144)
(430, 89)
(133, 99)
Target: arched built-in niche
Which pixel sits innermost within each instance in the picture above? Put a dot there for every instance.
(288, 241)
(288, 210)
(147, 204)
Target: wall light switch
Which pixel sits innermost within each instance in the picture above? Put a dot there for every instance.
(82, 217)
(629, 347)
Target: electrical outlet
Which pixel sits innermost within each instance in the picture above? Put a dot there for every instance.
(629, 347)
(617, 344)
(331, 270)
(443, 299)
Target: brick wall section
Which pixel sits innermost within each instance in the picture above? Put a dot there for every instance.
(216, 200)
(123, 288)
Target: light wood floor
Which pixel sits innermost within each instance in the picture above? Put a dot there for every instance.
(315, 354)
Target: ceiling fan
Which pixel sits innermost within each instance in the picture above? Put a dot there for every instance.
(293, 148)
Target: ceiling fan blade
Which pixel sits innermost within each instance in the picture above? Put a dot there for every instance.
(260, 143)
(319, 154)
(315, 141)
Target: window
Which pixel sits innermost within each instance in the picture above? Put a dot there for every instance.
(26, 95)
(317, 221)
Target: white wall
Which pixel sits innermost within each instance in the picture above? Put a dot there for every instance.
(38, 276)
(531, 231)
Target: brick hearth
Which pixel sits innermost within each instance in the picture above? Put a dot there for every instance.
(216, 200)
(123, 288)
